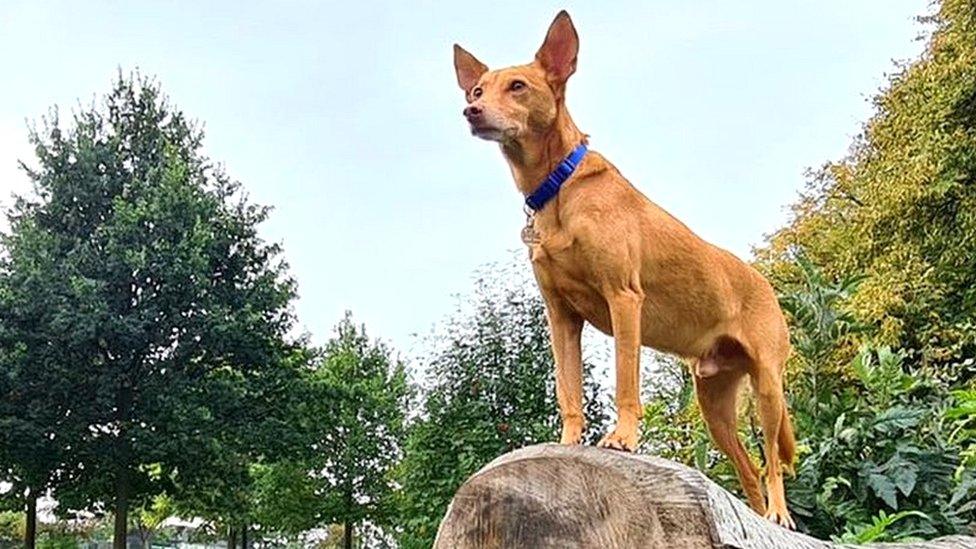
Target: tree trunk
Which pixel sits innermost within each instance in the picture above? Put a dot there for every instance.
(245, 543)
(347, 535)
(121, 511)
(232, 538)
(30, 532)
(123, 452)
(553, 496)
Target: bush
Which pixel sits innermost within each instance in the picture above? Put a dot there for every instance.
(12, 526)
(888, 448)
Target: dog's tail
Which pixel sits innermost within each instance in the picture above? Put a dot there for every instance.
(787, 443)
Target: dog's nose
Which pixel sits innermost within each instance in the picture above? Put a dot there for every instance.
(472, 112)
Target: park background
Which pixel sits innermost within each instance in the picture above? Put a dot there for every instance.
(160, 360)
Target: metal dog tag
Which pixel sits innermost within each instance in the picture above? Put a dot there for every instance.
(529, 235)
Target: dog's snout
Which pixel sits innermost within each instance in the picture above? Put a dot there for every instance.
(471, 112)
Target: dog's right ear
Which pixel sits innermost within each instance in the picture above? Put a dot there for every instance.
(468, 68)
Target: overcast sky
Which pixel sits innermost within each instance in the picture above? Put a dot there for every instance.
(346, 118)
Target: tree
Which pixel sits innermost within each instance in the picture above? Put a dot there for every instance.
(151, 517)
(358, 451)
(896, 215)
(39, 419)
(166, 304)
(276, 416)
(36, 422)
(489, 388)
(900, 209)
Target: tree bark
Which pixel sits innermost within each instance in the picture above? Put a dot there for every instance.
(30, 531)
(232, 538)
(347, 535)
(123, 452)
(121, 510)
(245, 542)
(554, 496)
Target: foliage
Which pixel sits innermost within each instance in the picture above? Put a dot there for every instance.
(672, 426)
(879, 527)
(366, 434)
(900, 209)
(139, 302)
(351, 416)
(150, 517)
(490, 389)
(884, 445)
(880, 245)
(12, 525)
(284, 497)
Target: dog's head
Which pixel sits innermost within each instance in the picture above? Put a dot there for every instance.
(508, 104)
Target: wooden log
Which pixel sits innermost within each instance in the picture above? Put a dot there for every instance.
(553, 496)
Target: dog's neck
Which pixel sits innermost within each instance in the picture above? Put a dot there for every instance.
(532, 157)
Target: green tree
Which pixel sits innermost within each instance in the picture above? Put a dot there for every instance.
(900, 209)
(149, 518)
(35, 413)
(276, 412)
(39, 420)
(167, 305)
(883, 410)
(489, 389)
(363, 438)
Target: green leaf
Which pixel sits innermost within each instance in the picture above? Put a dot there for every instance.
(897, 419)
(882, 487)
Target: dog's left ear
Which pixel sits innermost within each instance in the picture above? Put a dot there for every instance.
(558, 53)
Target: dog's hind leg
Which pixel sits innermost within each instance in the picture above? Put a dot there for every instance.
(767, 384)
(717, 395)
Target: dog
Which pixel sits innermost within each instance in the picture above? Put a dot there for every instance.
(603, 253)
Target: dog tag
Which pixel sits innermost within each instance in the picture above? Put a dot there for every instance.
(529, 235)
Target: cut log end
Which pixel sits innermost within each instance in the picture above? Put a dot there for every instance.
(578, 496)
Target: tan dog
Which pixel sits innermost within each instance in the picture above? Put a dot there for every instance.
(605, 254)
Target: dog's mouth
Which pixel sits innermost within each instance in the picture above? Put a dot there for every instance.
(490, 133)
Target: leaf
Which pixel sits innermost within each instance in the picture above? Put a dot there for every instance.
(897, 419)
(883, 488)
(962, 490)
(878, 529)
(905, 478)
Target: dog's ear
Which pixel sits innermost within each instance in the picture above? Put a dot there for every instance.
(558, 53)
(468, 68)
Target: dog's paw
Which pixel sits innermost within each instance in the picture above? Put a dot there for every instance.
(781, 517)
(619, 440)
(572, 433)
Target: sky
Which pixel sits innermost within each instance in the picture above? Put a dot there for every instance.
(346, 118)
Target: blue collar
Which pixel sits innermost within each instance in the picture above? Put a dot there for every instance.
(550, 187)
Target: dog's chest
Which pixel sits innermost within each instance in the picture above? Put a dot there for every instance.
(562, 273)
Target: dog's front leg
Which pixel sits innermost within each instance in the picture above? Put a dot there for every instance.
(625, 317)
(566, 328)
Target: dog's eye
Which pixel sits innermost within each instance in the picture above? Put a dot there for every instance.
(516, 85)
(476, 93)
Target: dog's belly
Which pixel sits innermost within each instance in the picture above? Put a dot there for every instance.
(659, 332)
(666, 324)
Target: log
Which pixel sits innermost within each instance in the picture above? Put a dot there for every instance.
(554, 496)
